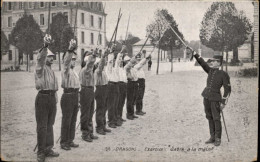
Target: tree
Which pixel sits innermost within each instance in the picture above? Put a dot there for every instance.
(27, 36)
(61, 33)
(4, 43)
(159, 29)
(224, 28)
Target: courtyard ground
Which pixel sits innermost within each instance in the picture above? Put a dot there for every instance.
(174, 128)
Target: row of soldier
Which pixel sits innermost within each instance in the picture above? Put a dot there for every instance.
(115, 79)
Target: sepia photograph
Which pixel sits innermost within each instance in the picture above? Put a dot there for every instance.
(133, 81)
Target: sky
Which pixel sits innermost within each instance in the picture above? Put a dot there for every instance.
(187, 14)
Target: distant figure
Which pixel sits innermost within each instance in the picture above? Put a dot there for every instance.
(179, 59)
(149, 64)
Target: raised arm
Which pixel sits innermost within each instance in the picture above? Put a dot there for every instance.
(202, 63)
(130, 64)
(68, 56)
(42, 55)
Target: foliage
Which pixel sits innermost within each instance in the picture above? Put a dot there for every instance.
(61, 33)
(4, 43)
(223, 27)
(249, 72)
(27, 35)
(159, 28)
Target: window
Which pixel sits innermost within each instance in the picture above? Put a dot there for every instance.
(91, 4)
(10, 55)
(9, 6)
(100, 7)
(41, 19)
(20, 5)
(53, 4)
(82, 18)
(41, 4)
(65, 3)
(30, 5)
(100, 23)
(92, 38)
(82, 37)
(92, 20)
(10, 21)
(66, 15)
(100, 38)
(52, 15)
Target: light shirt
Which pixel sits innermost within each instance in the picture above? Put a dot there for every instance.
(112, 72)
(100, 76)
(130, 71)
(139, 68)
(86, 76)
(70, 78)
(45, 78)
(121, 72)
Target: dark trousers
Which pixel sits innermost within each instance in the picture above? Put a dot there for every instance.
(140, 94)
(112, 101)
(100, 96)
(87, 109)
(131, 92)
(149, 67)
(69, 108)
(212, 110)
(122, 97)
(45, 112)
(135, 91)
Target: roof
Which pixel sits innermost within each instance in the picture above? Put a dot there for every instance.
(142, 41)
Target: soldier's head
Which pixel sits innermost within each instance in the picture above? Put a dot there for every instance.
(216, 62)
(50, 57)
(73, 61)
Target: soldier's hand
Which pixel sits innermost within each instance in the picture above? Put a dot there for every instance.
(222, 106)
(72, 45)
(47, 40)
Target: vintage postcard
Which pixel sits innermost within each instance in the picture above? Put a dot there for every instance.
(129, 80)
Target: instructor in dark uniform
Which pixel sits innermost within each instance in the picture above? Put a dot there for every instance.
(214, 103)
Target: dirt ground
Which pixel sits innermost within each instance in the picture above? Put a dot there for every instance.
(174, 128)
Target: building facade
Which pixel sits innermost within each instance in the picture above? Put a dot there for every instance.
(88, 18)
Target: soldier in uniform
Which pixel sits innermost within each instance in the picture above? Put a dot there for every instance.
(112, 91)
(46, 100)
(141, 84)
(69, 98)
(101, 81)
(121, 83)
(86, 78)
(214, 103)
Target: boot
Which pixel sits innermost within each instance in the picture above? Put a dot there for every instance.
(118, 123)
(101, 131)
(72, 144)
(65, 146)
(93, 137)
(123, 120)
(112, 125)
(211, 140)
(51, 153)
(107, 130)
(217, 142)
(86, 137)
(41, 157)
